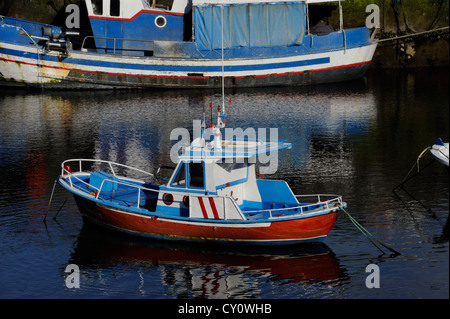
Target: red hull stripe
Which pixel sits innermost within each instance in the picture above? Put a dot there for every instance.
(202, 206)
(314, 70)
(213, 207)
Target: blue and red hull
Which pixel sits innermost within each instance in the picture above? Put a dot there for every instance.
(264, 232)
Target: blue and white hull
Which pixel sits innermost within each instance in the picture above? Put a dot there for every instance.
(24, 66)
(28, 60)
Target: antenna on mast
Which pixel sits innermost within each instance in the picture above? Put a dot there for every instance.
(203, 125)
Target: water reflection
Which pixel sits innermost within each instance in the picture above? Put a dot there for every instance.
(357, 139)
(198, 271)
(134, 128)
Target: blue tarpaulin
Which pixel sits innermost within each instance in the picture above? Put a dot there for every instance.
(249, 25)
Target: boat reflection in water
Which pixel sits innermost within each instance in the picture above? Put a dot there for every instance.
(193, 271)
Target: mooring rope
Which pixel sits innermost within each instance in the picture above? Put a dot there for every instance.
(413, 34)
(369, 236)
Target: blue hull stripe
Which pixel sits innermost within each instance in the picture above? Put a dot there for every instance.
(172, 68)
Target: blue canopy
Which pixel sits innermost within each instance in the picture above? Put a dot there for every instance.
(249, 25)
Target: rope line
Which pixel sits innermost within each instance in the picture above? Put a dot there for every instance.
(413, 35)
(368, 235)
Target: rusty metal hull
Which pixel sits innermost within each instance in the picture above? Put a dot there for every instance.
(23, 66)
(76, 80)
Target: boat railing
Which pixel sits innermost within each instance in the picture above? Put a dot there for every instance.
(110, 164)
(114, 43)
(67, 170)
(329, 201)
(68, 173)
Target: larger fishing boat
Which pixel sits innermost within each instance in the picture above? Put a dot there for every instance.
(213, 195)
(186, 44)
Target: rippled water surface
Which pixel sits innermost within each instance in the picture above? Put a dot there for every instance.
(358, 139)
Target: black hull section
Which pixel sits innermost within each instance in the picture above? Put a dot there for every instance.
(98, 80)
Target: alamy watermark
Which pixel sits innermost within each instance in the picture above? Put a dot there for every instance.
(373, 19)
(73, 277)
(73, 17)
(373, 279)
(251, 141)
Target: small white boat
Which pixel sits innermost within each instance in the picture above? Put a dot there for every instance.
(440, 151)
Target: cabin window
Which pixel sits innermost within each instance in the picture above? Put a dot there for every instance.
(180, 178)
(114, 10)
(227, 174)
(196, 176)
(160, 4)
(97, 7)
(235, 165)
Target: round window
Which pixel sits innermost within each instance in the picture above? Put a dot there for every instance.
(167, 199)
(160, 21)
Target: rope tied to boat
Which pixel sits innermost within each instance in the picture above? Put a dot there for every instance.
(376, 242)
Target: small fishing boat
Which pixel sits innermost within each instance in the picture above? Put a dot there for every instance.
(213, 195)
(439, 151)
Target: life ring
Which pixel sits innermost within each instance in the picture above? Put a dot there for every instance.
(167, 199)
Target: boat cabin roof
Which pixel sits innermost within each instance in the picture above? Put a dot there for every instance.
(235, 148)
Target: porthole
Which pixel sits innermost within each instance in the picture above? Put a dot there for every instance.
(160, 21)
(167, 199)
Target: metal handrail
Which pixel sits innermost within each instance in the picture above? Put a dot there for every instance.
(110, 163)
(110, 38)
(337, 199)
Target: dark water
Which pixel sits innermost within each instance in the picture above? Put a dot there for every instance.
(357, 139)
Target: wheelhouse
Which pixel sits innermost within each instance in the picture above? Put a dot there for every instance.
(130, 27)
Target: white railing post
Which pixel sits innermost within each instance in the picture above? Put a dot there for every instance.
(112, 169)
(139, 197)
(224, 208)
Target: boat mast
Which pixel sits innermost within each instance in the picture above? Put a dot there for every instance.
(223, 75)
(220, 124)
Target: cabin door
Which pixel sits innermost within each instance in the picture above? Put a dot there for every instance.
(98, 23)
(114, 27)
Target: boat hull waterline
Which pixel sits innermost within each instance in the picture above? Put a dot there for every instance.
(22, 66)
(288, 231)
